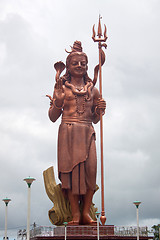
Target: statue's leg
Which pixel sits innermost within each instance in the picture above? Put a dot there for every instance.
(90, 171)
(74, 202)
(87, 200)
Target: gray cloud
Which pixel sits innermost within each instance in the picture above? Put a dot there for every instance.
(31, 41)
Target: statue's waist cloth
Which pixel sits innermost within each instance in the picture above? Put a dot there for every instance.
(77, 160)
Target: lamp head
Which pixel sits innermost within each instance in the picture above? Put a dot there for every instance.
(137, 203)
(29, 181)
(6, 201)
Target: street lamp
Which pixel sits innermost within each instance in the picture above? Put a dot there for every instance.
(97, 215)
(137, 203)
(65, 230)
(29, 181)
(6, 201)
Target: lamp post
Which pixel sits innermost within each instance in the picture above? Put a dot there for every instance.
(6, 201)
(65, 230)
(97, 215)
(29, 181)
(137, 203)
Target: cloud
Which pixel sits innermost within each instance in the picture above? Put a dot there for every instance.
(32, 39)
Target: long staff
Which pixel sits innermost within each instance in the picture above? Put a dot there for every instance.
(101, 39)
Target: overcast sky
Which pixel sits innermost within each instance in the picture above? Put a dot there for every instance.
(33, 36)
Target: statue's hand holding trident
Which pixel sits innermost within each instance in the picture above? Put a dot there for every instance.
(101, 39)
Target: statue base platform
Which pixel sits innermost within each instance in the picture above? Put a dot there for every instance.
(85, 232)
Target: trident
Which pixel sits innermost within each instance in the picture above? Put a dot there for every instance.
(101, 39)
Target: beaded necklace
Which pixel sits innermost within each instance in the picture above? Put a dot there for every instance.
(80, 112)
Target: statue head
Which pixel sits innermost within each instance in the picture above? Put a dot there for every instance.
(76, 50)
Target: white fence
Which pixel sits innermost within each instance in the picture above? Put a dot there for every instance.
(118, 231)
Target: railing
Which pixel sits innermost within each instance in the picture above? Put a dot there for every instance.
(85, 230)
(130, 231)
(42, 231)
(89, 230)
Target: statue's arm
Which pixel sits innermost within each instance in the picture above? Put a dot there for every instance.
(57, 102)
(54, 111)
(99, 105)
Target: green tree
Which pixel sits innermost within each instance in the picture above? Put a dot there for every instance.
(156, 231)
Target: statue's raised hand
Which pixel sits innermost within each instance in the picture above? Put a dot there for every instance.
(59, 93)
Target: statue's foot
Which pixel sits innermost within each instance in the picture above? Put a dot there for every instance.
(73, 223)
(87, 220)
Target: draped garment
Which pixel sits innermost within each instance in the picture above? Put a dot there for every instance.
(77, 160)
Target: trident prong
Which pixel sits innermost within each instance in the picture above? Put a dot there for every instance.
(99, 34)
(94, 33)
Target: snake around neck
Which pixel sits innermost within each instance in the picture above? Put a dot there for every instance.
(87, 89)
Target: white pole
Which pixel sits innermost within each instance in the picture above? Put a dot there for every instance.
(29, 181)
(65, 230)
(97, 215)
(137, 224)
(98, 227)
(28, 214)
(137, 203)
(6, 201)
(6, 214)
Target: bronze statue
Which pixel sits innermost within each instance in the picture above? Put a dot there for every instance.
(76, 99)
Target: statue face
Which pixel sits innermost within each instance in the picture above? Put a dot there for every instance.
(78, 66)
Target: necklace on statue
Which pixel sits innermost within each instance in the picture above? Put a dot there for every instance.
(79, 103)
